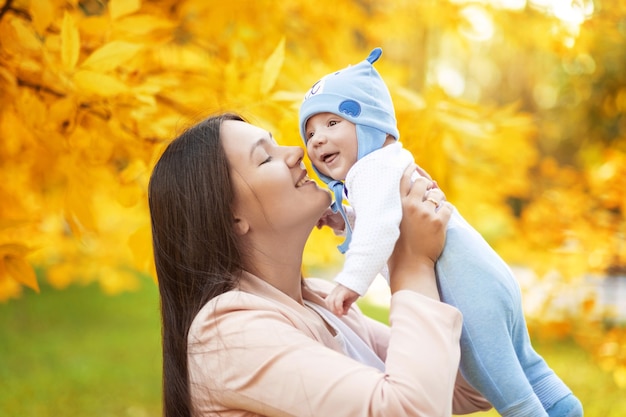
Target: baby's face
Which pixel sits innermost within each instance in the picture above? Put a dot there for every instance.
(331, 144)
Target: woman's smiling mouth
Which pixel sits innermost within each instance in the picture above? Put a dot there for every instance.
(303, 181)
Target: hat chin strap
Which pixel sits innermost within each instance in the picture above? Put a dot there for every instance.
(337, 188)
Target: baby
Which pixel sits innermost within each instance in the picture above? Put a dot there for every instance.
(347, 121)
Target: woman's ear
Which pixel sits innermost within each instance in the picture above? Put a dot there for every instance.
(241, 226)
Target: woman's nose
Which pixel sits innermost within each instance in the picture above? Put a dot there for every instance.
(294, 155)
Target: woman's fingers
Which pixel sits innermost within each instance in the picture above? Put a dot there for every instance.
(435, 196)
(406, 181)
(421, 172)
(421, 189)
(412, 173)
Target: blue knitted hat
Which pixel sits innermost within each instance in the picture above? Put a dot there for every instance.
(358, 94)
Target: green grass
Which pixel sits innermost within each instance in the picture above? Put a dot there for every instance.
(78, 352)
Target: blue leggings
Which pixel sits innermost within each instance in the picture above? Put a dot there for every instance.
(497, 357)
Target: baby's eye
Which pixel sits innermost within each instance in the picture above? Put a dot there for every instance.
(309, 135)
(332, 123)
(268, 159)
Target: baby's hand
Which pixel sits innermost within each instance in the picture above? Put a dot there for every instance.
(340, 300)
(332, 220)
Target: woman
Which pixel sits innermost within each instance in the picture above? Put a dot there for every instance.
(244, 334)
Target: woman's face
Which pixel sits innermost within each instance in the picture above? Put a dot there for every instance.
(272, 189)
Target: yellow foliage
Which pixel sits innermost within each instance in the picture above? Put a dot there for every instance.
(619, 376)
(272, 66)
(110, 56)
(70, 42)
(92, 83)
(14, 266)
(42, 12)
(119, 8)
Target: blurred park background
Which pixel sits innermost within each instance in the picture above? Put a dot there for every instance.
(516, 107)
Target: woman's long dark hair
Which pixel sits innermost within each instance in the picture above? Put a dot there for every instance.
(195, 248)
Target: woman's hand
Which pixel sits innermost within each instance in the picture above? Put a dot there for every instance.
(425, 214)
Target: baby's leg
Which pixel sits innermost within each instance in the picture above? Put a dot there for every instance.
(555, 396)
(496, 355)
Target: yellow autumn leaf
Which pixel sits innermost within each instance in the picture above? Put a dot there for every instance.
(61, 114)
(70, 42)
(272, 67)
(61, 275)
(141, 25)
(114, 280)
(110, 56)
(140, 243)
(413, 98)
(99, 84)
(20, 271)
(119, 8)
(13, 249)
(13, 265)
(8, 288)
(20, 35)
(619, 376)
(31, 108)
(13, 132)
(132, 171)
(295, 96)
(78, 211)
(128, 195)
(42, 13)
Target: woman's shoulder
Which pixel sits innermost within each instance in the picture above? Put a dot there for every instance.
(234, 318)
(254, 307)
(233, 301)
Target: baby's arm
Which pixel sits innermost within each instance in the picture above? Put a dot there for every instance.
(340, 300)
(374, 194)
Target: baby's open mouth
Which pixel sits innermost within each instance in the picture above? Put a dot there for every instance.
(328, 158)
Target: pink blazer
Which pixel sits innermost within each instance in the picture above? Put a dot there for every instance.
(254, 351)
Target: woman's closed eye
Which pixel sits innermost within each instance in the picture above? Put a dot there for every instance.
(266, 160)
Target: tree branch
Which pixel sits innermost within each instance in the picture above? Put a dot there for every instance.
(37, 87)
(5, 8)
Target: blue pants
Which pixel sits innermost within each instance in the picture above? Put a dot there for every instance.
(497, 357)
